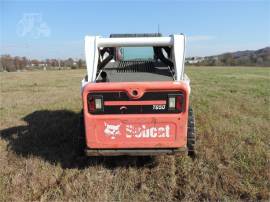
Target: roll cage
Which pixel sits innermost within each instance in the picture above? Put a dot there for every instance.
(100, 51)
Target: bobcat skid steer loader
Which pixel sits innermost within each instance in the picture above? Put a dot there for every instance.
(136, 96)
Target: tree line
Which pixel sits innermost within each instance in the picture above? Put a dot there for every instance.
(10, 64)
(229, 60)
(259, 57)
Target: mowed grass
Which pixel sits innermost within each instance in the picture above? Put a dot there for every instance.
(40, 118)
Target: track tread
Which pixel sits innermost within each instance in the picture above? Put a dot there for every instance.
(191, 134)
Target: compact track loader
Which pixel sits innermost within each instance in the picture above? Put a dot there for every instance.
(136, 96)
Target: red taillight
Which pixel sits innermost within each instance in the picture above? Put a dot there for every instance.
(175, 102)
(91, 104)
(95, 103)
(179, 103)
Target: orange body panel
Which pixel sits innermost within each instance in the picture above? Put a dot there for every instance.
(131, 131)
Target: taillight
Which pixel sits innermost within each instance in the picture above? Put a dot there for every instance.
(95, 103)
(179, 103)
(172, 102)
(175, 102)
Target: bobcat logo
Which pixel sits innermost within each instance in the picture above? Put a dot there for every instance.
(112, 130)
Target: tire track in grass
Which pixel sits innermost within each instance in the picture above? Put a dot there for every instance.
(181, 176)
(164, 179)
(55, 185)
(174, 177)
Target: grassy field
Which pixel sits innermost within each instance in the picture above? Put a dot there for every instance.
(39, 118)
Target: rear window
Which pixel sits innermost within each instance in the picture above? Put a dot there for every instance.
(134, 53)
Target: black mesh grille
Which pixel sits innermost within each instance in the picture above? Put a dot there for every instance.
(135, 66)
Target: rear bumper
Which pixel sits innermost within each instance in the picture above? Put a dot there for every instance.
(132, 152)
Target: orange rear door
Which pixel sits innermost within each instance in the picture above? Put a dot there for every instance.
(135, 115)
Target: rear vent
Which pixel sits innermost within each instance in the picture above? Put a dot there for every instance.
(136, 66)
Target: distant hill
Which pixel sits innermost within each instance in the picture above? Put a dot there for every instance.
(259, 57)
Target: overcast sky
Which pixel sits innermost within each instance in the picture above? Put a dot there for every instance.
(56, 29)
